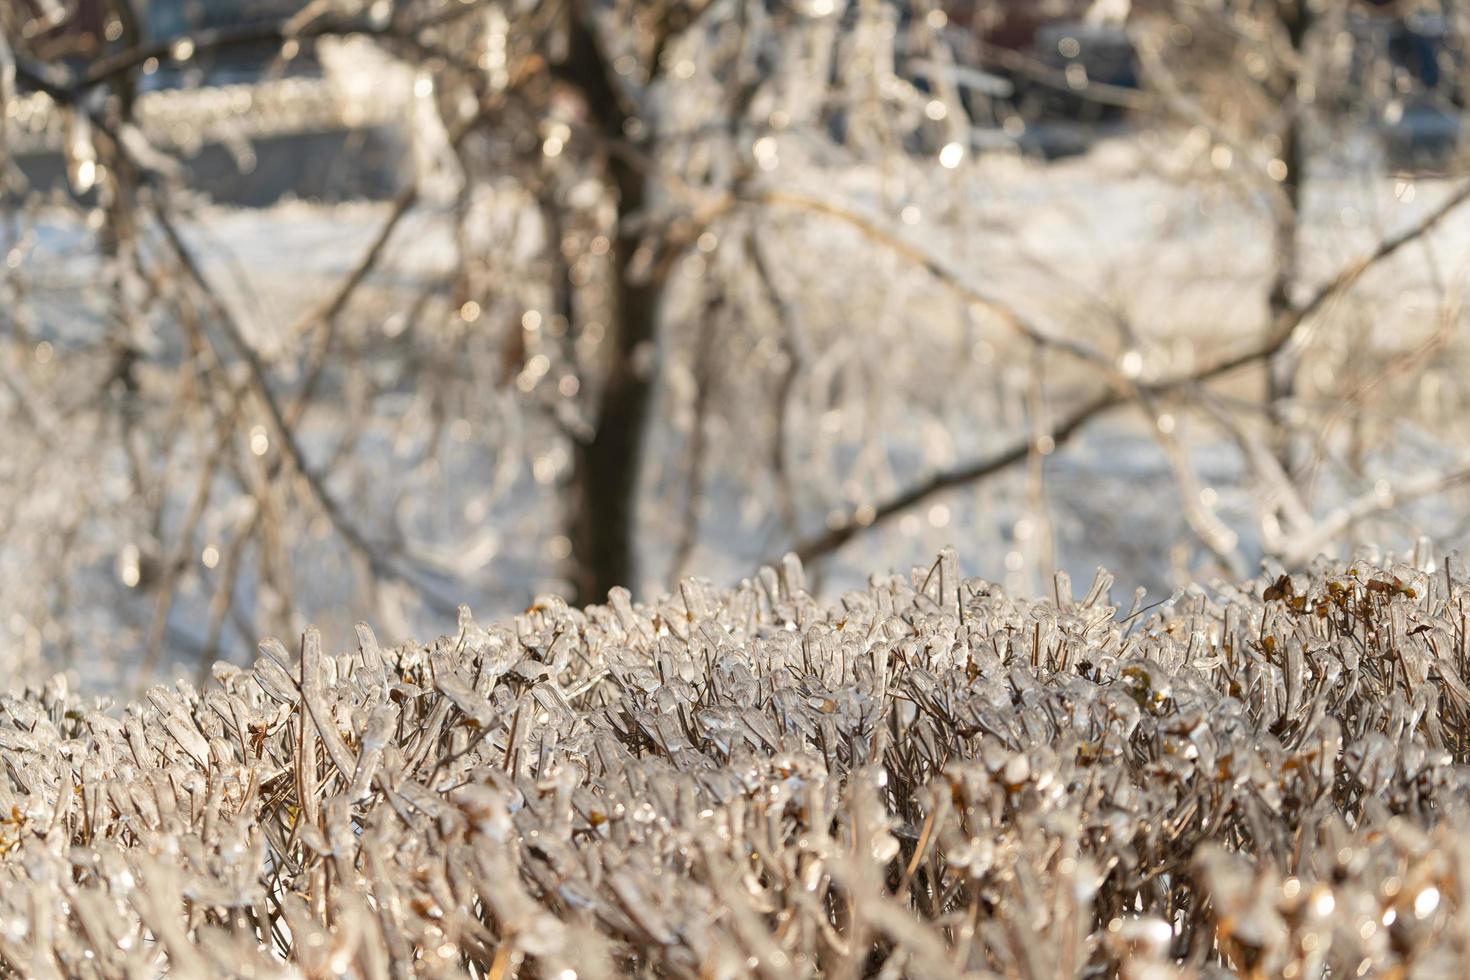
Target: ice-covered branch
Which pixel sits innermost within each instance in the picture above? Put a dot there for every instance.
(862, 519)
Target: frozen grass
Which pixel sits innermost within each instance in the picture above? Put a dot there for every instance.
(929, 779)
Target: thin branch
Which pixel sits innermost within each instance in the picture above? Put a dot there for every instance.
(704, 390)
(1302, 549)
(325, 317)
(370, 551)
(1287, 324)
(980, 469)
(785, 400)
(183, 552)
(1036, 70)
(1280, 334)
(1013, 319)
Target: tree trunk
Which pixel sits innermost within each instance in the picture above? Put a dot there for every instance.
(608, 466)
(1281, 372)
(602, 518)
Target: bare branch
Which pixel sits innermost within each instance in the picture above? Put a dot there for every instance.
(1281, 332)
(1014, 320)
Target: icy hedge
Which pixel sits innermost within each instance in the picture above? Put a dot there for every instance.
(928, 779)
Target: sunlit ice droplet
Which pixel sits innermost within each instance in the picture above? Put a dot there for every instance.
(764, 151)
(951, 155)
(86, 176)
(129, 570)
(1426, 902)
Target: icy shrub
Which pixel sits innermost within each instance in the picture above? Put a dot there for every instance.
(928, 779)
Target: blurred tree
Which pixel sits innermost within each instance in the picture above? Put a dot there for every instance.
(668, 280)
